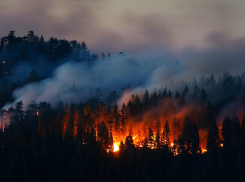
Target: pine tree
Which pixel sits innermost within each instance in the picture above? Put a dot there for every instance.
(185, 91)
(92, 138)
(186, 134)
(180, 144)
(154, 99)
(137, 105)
(166, 132)
(203, 97)
(194, 97)
(182, 102)
(194, 139)
(226, 130)
(129, 141)
(177, 96)
(109, 114)
(99, 113)
(115, 116)
(150, 135)
(124, 118)
(207, 115)
(18, 111)
(18, 107)
(121, 146)
(76, 119)
(235, 125)
(113, 96)
(213, 136)
(103, 135)
(164, 93)
(146, 99)
(170, 94)
(159, 94)
(110, 142)
(158, 139)
(175, 128)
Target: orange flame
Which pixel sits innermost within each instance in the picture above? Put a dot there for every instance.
(116, 146)
(204, 150)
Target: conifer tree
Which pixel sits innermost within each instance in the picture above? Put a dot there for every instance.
(207, 115)
(186, 134)
(146, 99)
(182, 102)
(66, 121)
(235, 125)
(158, 139)
(124, 118)
(150, 135)
(154, 99)
(170, 94)
(175, 128)
(194, 139)
(166, 132)
(164, 93)
(213, 136)
(203, 97)
(116, 116)
(226, 130)
(103, 134)
(177, 96)
(185, 91)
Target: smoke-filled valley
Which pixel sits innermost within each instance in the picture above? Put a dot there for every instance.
(70, 115)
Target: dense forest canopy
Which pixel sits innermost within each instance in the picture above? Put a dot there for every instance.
(114, 131)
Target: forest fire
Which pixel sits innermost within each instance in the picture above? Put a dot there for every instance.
(155, 127)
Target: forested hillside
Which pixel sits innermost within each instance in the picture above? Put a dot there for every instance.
(186, 131)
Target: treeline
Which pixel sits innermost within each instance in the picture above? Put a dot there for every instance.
(33, 49)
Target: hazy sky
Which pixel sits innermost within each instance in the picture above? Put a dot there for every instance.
(127, 25)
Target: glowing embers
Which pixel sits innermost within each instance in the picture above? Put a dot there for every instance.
(221, 145)
(151, 145)
(6, 73)
(3, 62)
(203, 150)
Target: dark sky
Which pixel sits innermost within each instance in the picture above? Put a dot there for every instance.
(133, 26)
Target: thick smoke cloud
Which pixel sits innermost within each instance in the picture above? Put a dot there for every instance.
(118, 71)
(130, 26)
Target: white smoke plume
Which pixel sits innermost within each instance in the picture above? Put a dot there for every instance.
(114, 73)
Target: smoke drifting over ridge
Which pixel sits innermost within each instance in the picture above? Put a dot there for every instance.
(118, 71)
(109, 75)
